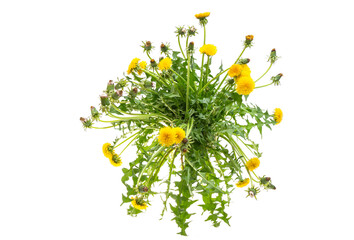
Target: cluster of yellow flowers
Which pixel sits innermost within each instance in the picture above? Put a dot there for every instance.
(109, 153)
(242, 75)
(135, 65)
(169, 136)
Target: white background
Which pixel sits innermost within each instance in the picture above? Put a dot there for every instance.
(56, 58)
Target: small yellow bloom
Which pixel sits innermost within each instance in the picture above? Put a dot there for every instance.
(142, 65)
(139, 203)
(243, 183)
(167, 136)
(208, 49)
(235, 70)
(278, 115)
(180, 134)
(165, 64)
(253, 163)
(133, 65)
(249, 37)
(115, 160)
(202, 15)
(245, 85)
(106, 150)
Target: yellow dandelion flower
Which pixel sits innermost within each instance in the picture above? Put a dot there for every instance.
(167, 136)
(245, 85)
(278, 115)
(208, 49)
(246, 71)
(165, 64)
(133, 65)
(139, 203)
(253, 163)
(115, 160)
(243, 183)
(106, 150)
(180, 134)
(202, 15)
(235, 70)
(142, 66)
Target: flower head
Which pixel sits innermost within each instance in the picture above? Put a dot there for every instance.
(167, 136)
(243, 183)
(139, 203)
(245, 85)
(179, 134)
(115, 160)
(235, 70)
(107, 150)
(142, 66)
(253, 163)
(202, 15)
(208, 49)
(278, 115)
(133, 65)
(165, 64)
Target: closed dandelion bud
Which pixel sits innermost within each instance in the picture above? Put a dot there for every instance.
(143, 189)
(104, 100)
(251, 194)
(148, 84)
(185, 140)
(153, 63)
(192, 31)
(231, 81)
(147, 46)
(273, 56)
(94, 113)
(120, 93)
(191, 47)
(244, 61)
(181, 31)
(116, 95)
(267, 179)
(276, 79)
(135, 90)
(110, 86)
(184, 150)
(248, 41)
(87, 123)
(164, 48)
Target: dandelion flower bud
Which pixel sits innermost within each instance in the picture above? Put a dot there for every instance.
(110, 86)
(248, 41)
(104, 99)
(153, 63)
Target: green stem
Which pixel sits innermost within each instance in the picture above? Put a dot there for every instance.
(264, 85)
(127, 139)
(128, 145)
(204, 34)
(148, 55)
(187, 43)
(148, 163)
(201, 73)
(210, 183)
(264, 73)
(240, 55)
(101, 127)
(179, 43)
(213, 80)
(188, 78)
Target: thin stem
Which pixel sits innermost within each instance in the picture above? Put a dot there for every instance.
(204, 34)
(264, 73)
(201, 72)
(213, 80)
(187, 42)
(127, 139)
(148, 55)
(148, 163)
(179, 43)
(264, 85)
(101, 127)
(240, 55)
(188, 78)
(128, 145)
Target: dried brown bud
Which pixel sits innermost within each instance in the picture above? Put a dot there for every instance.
(83, 120)
(185, 150)
(267, 178)
(185, 140)
(135, 90)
